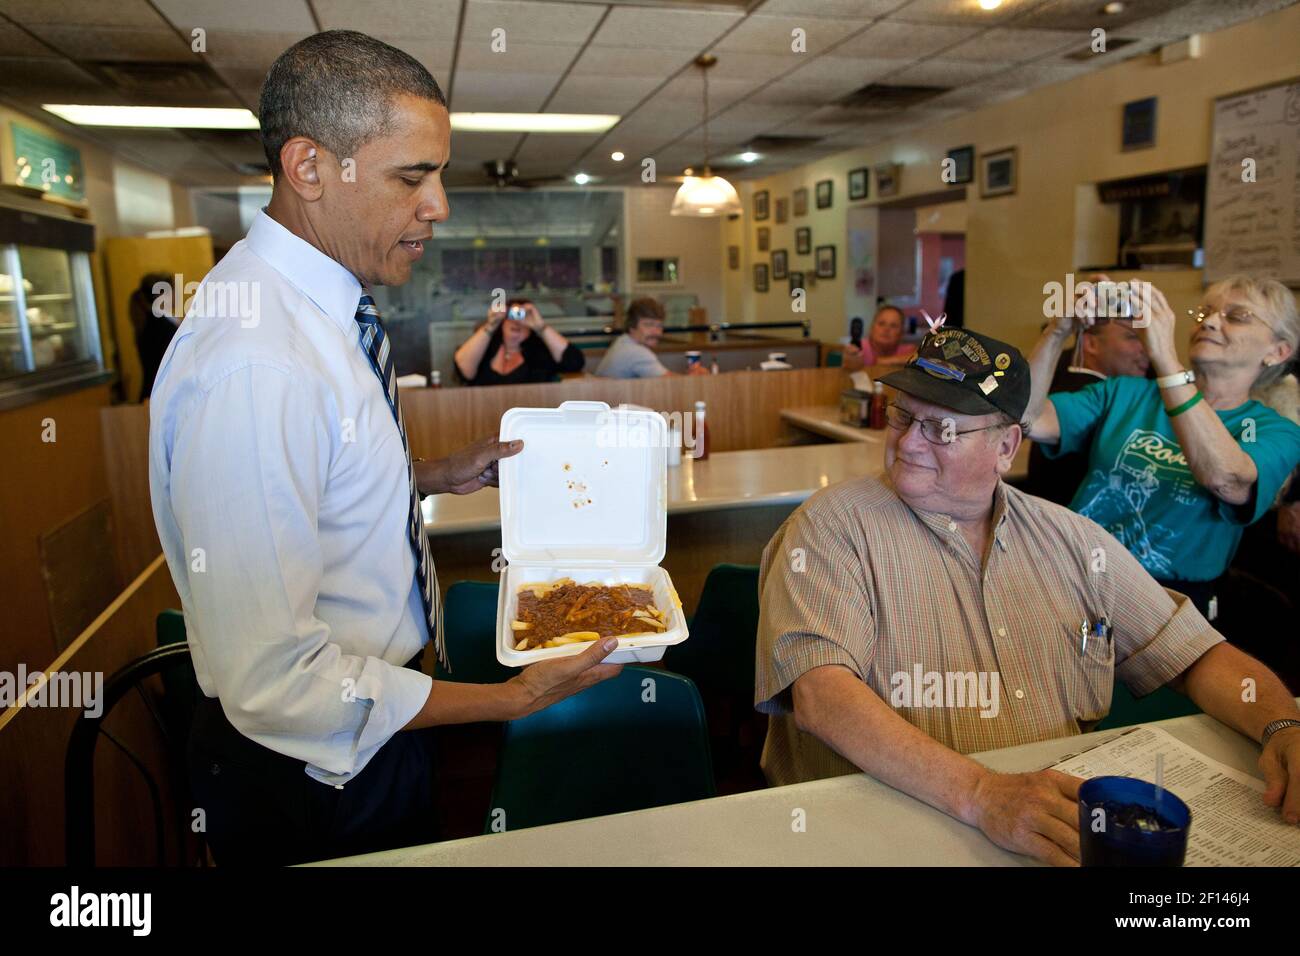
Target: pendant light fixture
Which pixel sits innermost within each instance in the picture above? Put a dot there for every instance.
(705, 195)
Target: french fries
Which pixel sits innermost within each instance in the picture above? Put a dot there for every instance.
(602, 608)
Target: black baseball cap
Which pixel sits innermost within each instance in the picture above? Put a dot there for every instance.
(967, 372)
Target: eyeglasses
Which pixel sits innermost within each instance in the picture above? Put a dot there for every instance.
(1236, 317)
(937, 431)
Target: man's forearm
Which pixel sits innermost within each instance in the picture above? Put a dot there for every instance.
(1218, 683)
(454, 703)
(834, 705)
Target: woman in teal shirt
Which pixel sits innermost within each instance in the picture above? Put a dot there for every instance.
(1180, 465)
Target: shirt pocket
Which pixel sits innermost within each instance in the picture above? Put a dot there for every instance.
(1091, 679)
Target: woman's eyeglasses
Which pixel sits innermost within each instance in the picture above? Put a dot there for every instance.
(1236, 317)
(937, 431)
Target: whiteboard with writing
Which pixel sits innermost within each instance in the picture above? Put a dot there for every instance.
(1252, 217)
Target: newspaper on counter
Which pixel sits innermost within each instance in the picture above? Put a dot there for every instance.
(1231, 826)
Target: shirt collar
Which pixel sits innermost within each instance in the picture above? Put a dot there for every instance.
(333, 289)
(1080, 370)
(945, 527)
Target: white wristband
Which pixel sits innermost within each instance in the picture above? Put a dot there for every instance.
(1185, 377)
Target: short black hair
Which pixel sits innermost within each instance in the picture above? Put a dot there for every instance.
(337, 88)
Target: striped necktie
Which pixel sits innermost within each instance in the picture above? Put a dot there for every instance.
(375, 342)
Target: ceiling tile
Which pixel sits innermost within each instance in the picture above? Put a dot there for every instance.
(239, 16)
(773, 35)
(589, 94)
(943, 72)
(484, 91)
(566, 24)
(1085, 15)
(112, 43)
(652, 28)
(1016, 46)
(518, 57)
(629, 61)
(890, 39)
(837, 76)
(16, 42)
(843, 9)
(687, 92)
(434, 55)
(257, 50)
(119, 13)
(426, 19)
(1202, 16)
(34, 73)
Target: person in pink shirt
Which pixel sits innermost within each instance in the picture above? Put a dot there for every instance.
(884, 344)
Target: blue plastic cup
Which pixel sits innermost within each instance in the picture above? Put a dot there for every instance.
(1124, 821)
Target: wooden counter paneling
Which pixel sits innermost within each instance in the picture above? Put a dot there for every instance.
(33, 743)
(744, 408)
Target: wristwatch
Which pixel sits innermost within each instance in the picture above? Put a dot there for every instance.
(1185, 377)
(1274, 726)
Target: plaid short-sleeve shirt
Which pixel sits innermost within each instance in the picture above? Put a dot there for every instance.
(978, 654)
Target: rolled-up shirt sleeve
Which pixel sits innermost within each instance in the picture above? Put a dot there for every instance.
(1158, 633)
(813, 609)
(248, 469)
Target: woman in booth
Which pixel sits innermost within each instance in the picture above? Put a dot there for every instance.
(1179, 465)
(515, 346)
(884, 343)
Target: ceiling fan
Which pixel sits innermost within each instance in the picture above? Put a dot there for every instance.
(504, 174)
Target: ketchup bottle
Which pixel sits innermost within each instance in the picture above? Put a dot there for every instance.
(877, 414)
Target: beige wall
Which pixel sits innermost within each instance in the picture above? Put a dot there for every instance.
(651, 232)
(1066, 135)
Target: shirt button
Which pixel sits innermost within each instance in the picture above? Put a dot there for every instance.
(952, 526)
(1020, 694)
(1002, 632)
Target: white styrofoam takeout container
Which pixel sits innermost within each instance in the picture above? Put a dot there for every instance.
(587, 499)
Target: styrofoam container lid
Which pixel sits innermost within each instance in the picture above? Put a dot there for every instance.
(589, 488)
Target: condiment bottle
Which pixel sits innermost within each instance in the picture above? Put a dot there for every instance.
(701, 449)
(878, 407)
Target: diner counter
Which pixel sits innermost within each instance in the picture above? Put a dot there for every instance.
(848, 821)
(729, 479)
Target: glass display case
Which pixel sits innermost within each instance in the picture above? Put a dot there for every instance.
(49, 332)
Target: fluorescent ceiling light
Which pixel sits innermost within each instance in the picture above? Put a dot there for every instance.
(155, 117)
(533, 122)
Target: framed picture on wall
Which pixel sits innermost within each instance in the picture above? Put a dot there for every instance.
(801, 201)
(782, 209)
(733, 257)
(1139, 129)
(760, 206)
(780, 264)
(760, 277)
(998, 173)
(887, 176)
(859, 183)
(825, 193)
(961, 169)
(803, 240)
(826, 262)
(796, 282)
(764, 238)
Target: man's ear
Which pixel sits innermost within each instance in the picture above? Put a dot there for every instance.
(298, 161)
(1008, 445)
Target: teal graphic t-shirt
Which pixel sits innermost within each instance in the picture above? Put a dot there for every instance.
(1140, 488)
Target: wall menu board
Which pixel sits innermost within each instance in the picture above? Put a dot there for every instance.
(1252, 219)
(45, 163)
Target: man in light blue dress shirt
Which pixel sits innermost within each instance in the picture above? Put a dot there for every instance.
(280, 481)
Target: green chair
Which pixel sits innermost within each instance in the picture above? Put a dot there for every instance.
(719, 654)
(469, 617)
(1162, 704)
(634, 741)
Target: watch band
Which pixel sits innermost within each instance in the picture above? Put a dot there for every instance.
(1185, 377)
(1274, 726)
